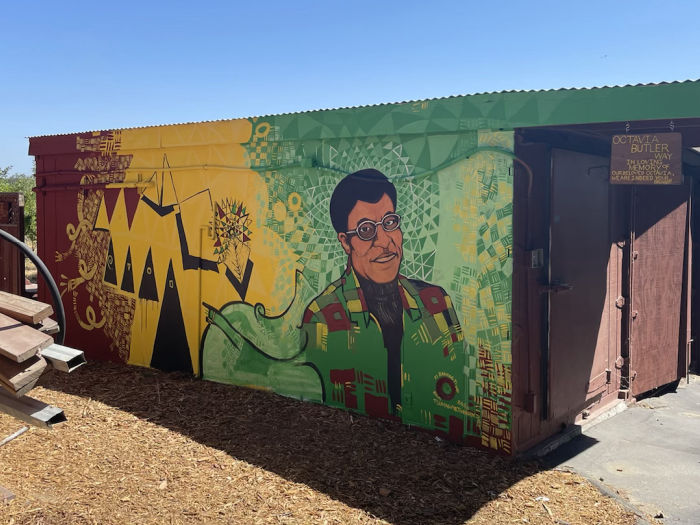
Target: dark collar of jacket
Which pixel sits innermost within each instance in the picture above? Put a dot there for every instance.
(356, 304)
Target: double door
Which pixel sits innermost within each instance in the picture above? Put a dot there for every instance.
(617, 279)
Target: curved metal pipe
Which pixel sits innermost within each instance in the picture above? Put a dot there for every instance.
(55, 295)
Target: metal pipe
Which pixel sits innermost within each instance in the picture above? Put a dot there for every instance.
(63, 358)
(309, 164)
(14, 436)
(546, 347)
(94, 186)
(41, 267)
(626, 375)
(31, 410)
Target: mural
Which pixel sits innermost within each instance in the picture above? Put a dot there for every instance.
(369, 270)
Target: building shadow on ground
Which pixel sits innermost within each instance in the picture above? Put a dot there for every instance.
(401, 475)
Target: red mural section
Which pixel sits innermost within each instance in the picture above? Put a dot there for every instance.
(72, 191)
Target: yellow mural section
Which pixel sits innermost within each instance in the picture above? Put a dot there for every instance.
(187, 170)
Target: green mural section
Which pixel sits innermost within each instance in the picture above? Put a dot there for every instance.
(438, 356)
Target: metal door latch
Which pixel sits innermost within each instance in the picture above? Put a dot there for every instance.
(536, 258)
(555, 287)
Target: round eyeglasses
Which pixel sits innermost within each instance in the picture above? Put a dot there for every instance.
(367, 229)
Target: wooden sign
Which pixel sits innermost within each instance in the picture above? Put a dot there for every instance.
(651, 158)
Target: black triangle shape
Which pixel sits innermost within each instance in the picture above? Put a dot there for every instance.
(128, 276)
(148, 289)
(110, 266)
(170, 349)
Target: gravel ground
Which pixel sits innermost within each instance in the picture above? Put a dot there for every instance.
(141, 446)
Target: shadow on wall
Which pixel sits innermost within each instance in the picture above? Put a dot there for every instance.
(349, 458)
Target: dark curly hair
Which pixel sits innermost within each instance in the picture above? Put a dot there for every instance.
(368, 185)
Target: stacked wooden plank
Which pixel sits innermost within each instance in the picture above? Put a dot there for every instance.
(21, 363)
(26, 350)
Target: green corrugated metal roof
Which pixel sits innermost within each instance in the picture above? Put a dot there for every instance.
(503, 110)
(498, 110)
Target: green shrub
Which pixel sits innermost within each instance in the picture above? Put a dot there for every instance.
(19, 182)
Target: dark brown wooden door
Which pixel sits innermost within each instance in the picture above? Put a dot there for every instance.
(585, 281)
(657, 349)
(11, 259)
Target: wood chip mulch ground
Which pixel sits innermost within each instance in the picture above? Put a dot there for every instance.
(141, 446)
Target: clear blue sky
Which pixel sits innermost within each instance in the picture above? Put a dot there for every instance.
(80, 66)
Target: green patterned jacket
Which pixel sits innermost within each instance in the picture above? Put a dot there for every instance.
(343, 342)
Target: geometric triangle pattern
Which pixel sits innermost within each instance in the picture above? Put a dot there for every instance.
(128, 277)
(110, 266)
(101, 221)
(110, 199)
(148, 289)
(304, 222)
(131, 201)
(171, 352)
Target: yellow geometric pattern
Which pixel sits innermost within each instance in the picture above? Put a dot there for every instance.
(204, 159)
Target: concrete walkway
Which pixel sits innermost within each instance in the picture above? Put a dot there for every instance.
(649, 452)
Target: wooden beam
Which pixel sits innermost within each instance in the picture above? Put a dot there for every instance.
(20, 342)
(48, 326)
(25, 389)
(16, 375)
(23, 309)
